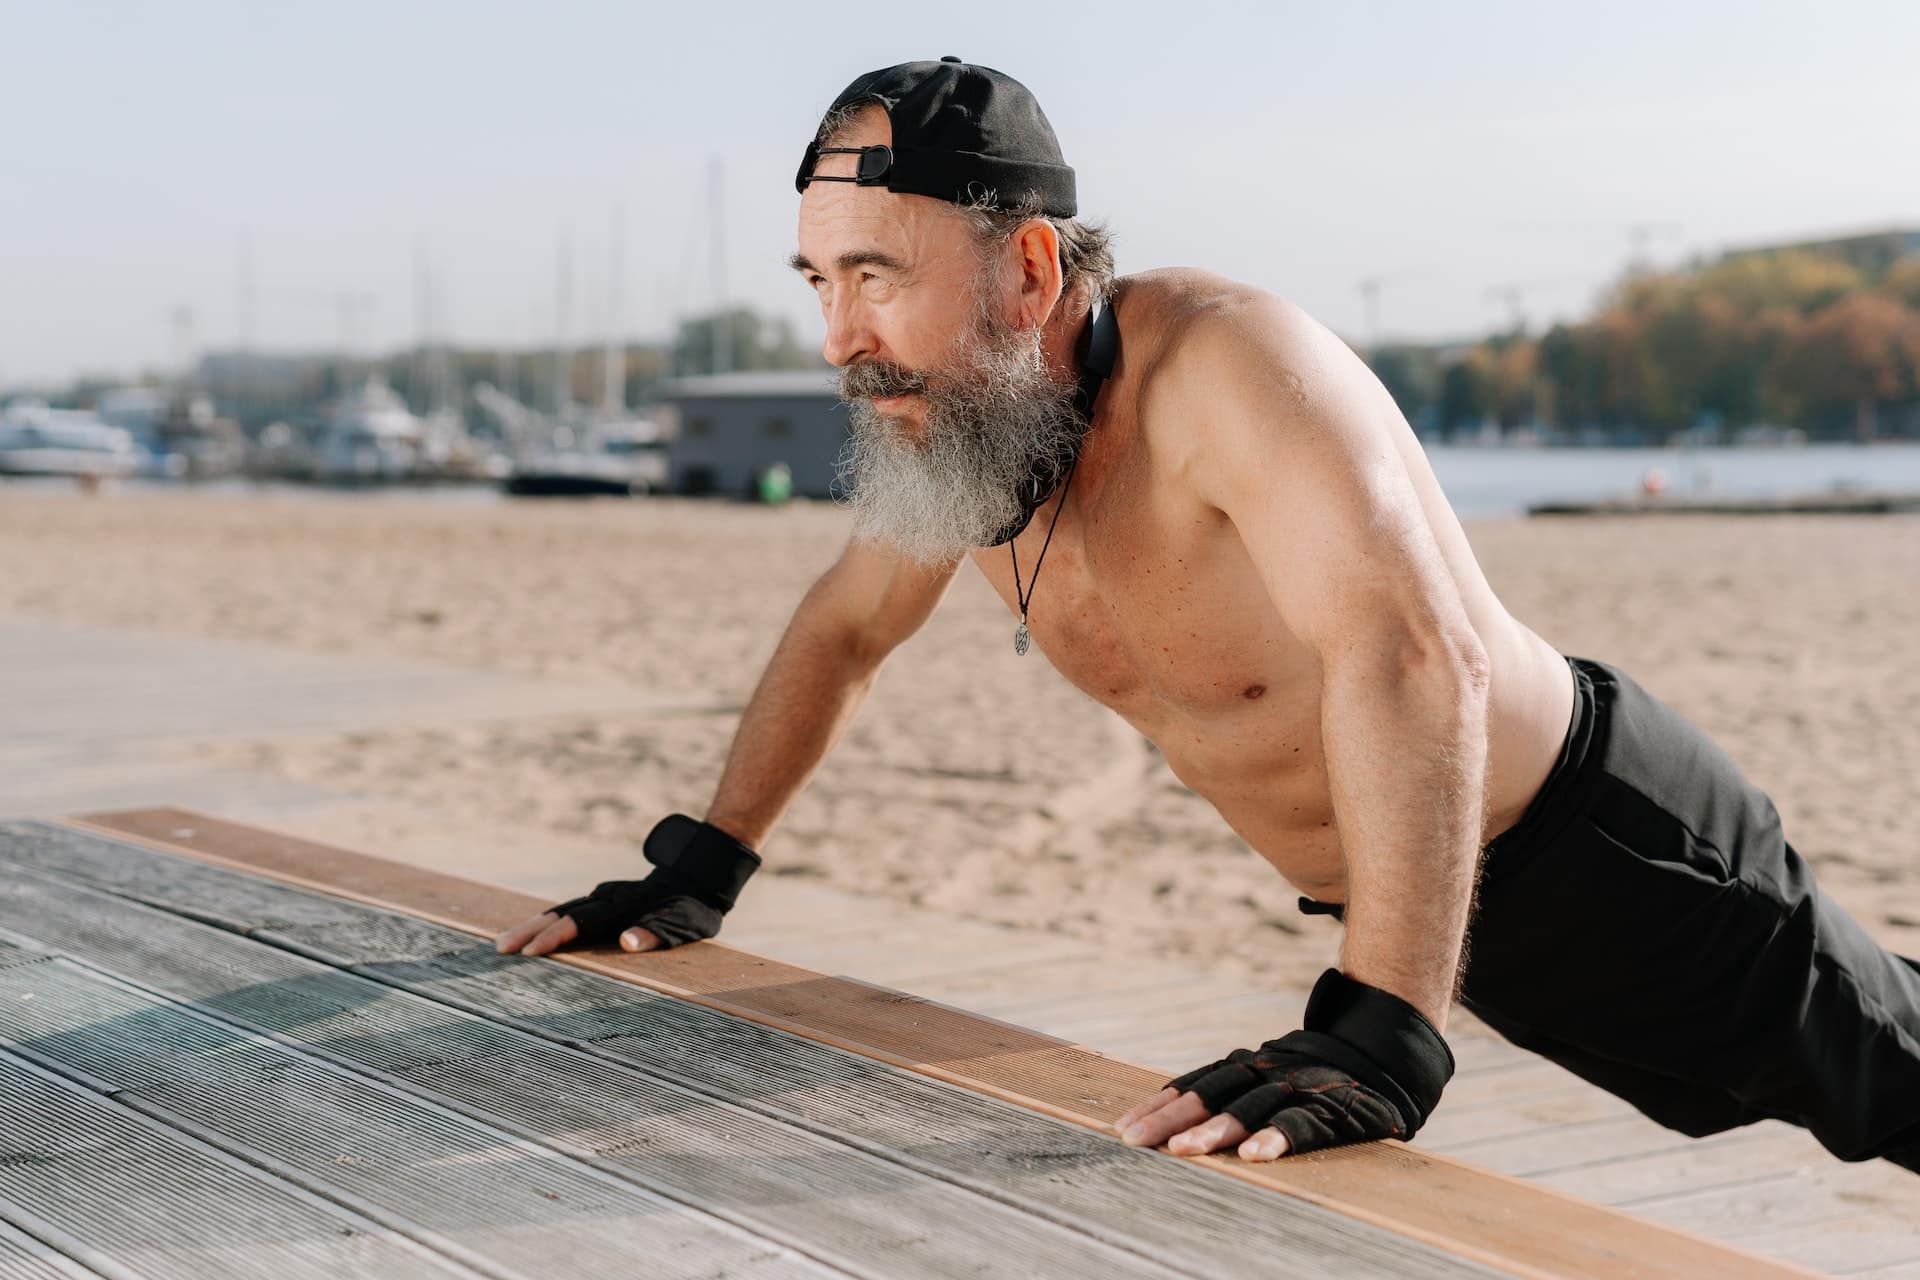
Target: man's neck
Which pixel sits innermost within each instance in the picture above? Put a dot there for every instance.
(1064, 340)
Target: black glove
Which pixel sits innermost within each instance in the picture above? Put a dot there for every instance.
(701, 870)
(1366, 1065)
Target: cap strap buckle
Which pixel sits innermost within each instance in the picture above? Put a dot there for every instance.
(869, 170)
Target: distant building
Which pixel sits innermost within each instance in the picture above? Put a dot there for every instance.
(723, 427)
(1871, 251)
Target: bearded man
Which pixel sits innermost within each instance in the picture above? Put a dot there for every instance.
(1247, 556)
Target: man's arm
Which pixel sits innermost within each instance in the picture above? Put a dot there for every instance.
(1293, 440)
(852, 617)
(1296, 444)
(856, 614)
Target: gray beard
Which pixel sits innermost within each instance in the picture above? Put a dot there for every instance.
(990, 421)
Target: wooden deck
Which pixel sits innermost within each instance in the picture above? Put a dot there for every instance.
(228, 1052)
(103, 719)
(1769, 1188)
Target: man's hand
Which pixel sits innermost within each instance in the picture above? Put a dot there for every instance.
(1366, 1065)
(1182, 1121)
(699, 871)
(548, 932)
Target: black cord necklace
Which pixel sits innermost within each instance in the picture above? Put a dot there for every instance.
(1103, 345)
(1021, 636)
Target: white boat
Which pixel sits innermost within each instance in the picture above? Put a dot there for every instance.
(625, 457)
(372, 438)
(36, 440)
(177, 431)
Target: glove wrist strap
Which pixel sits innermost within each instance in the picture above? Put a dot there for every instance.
(1396, 1038)
(700, 859)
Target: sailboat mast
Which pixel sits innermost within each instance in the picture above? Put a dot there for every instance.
(613, 365)
(717, 242)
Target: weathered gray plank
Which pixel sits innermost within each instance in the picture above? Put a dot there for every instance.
(155, 1203)
(239, 903)
(1858, 1242)
(1830, 1190)
(1547, 1150)
(24, 1258)
(1463, 1129)
(10, 954)
(454, 1184)
(1135, 1198)
(1498, 1089)
(1476, 1049)
(1741, 1157)
(452, 1178)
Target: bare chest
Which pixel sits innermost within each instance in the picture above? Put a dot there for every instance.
(1147, 602)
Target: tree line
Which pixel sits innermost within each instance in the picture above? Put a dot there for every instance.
(1787, 338)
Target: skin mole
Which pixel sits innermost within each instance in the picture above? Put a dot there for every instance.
(1253, 691)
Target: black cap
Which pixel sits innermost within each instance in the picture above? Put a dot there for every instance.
(959, 132)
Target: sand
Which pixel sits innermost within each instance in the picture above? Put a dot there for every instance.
(974, 782)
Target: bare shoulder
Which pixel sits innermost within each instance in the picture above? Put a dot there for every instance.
(1202, 340)
(1162, 306)
(1266, 418)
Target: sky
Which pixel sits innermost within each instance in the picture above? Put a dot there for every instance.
(177, 177)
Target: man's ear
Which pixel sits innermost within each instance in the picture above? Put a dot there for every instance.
(1037, 246)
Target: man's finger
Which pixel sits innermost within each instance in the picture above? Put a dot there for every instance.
(1151, 1130)
(639, 939)
(558, 934)
(521, 934)
(1151, 1105)
(1268, 1144)
(1221, 1131)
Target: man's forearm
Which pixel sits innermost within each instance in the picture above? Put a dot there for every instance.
(813, 684)
(1406, 762)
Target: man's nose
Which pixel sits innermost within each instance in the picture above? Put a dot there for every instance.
(849, 336)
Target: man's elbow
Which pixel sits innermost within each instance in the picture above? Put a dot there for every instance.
(1456, 668)
(1464, 656)
(1420, 657)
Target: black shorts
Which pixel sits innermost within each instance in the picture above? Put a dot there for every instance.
(1647, 925)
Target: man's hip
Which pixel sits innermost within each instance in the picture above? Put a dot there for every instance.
(1648, 917)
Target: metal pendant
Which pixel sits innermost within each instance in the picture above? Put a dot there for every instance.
(1020, 638)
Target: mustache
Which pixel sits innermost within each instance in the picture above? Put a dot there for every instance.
(870, 379)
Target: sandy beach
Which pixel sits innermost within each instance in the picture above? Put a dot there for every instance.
(974, 782)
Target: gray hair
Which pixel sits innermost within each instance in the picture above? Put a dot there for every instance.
(1086, 248)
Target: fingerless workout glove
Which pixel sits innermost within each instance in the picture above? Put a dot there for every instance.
(700, 870)
(1365, 1065)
